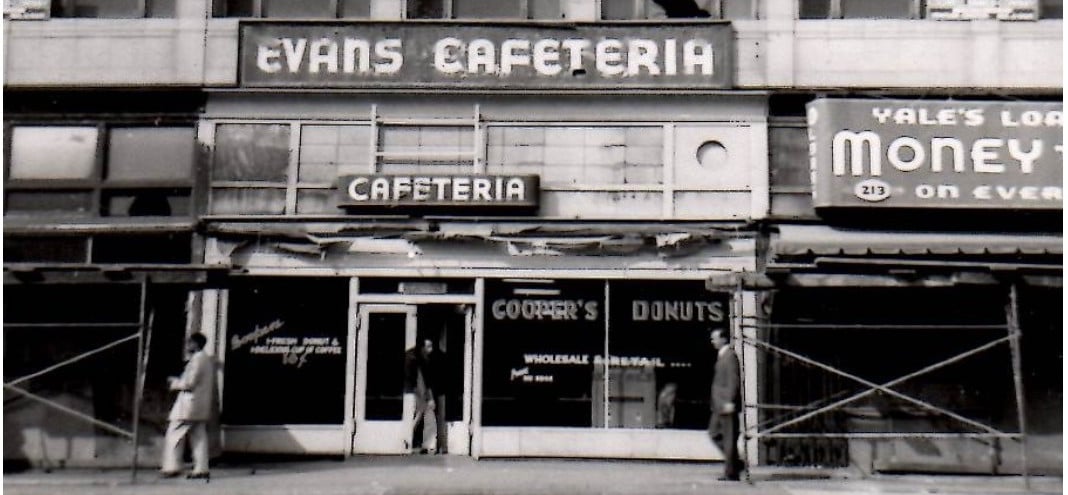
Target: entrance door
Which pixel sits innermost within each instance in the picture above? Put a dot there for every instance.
(385, 332)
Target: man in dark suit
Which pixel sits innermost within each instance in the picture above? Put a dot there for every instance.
(424, 378)
(726, 398)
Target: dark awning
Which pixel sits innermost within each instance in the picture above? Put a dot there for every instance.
(822, 240)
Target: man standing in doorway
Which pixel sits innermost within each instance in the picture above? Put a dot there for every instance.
(424, 379)
(191, 412)
(726, 397)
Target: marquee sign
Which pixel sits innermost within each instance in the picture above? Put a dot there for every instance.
(946, 154)
(383, 190)
(382, 55)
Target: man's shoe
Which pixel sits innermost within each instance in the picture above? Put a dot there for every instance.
(728, 478)
(199, 476)
(169, 474)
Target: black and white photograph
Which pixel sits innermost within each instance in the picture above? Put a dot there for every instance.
(533, 247)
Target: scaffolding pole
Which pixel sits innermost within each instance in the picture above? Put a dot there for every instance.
(139, 380)
(1012, 318)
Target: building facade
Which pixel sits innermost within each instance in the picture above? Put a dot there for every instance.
(564, 196)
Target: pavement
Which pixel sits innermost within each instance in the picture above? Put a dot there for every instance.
(458, 475)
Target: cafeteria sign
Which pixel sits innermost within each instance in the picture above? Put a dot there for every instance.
(384, 190)
(945, 154)
(397, 55)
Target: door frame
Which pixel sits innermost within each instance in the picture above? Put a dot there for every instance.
(379, 430)
(461, 434)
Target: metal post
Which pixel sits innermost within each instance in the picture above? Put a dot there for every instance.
(138, 382)
(738, 317)
(1013, 324)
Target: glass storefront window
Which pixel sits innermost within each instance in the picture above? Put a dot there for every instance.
(541, 339)
(285, 352)
(545, 361)
(660, 364)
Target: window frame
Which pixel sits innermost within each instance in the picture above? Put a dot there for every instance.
(715, 10)
(219, 9)
(142, 11)
(449, 12)
(98, 186)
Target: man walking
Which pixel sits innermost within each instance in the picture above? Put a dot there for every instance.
(726, 397)
(191, 412)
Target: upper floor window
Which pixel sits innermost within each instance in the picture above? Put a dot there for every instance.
(289, 9)
(481, 9)
(932, 9)
(255, 171)
(99, 171)
(115, 9)
(677, 9)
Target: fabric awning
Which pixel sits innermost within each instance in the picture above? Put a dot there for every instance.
(822, 240)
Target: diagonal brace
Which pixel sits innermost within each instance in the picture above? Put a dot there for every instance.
(74, 359)
(884, 387)
(72, 412)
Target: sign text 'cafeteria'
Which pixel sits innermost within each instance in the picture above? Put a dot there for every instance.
(393, 55)
(438, 190)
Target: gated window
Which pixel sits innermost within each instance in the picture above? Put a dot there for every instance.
(288, 9)
(668, 9)
(480, 9)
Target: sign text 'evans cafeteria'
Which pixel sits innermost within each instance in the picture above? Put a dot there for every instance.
(439, 190)
(945, 154)
(395, 55)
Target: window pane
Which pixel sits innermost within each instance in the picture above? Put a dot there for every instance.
(301, 9)
(618, 9)
(317, 201)
(426, 9)
(579, 155)
(271, 389)
(327, 152)
(789, 156)
(545, 9)
(251, 152)
(248, 201)
(53, 152)
(233, 8)
(655, 9)
(660, 368)
(355, 8)
(176, 248)
(151, 153)
(815, 9)
(162, 8)
(97, 8)
(75, 203)
(147, 203)
(876, 9)
(55, 249)
(525, 383)
(737, 9)
(427, 145)
(481, 9)
(1052, 9)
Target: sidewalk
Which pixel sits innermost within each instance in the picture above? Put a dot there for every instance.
(434, 475)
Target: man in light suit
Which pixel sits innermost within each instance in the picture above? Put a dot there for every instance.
(726, 397)
(191, 412)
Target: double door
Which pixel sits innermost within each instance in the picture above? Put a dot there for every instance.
(383, 414)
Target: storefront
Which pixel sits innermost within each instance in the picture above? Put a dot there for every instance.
(912, 325)
(542, 203)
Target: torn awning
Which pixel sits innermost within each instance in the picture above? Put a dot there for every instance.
(822, 240)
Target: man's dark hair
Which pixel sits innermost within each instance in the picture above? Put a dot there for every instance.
(199, 339)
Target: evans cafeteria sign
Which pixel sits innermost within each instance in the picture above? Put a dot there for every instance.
(936, 154)
(361, 55)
